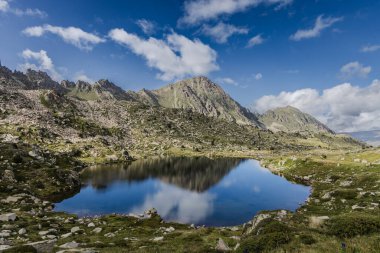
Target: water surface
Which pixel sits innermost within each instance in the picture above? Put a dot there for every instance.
(202, 191)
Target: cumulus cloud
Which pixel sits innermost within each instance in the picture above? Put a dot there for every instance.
(197, 11)
(258, 76)
(146, 26)
(321, 24)
(370, 48)
(228, 80)
(39, 60)
(344, 108)
(175, 56)
(6, 8)
(222, 32)
(256, 40)
(81, 76)
(355, 69)
(72, 35)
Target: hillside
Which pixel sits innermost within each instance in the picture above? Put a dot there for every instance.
(291, 120)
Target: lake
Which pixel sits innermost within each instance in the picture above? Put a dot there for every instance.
(200, 191)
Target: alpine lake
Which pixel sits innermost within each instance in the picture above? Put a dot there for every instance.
(199, 191)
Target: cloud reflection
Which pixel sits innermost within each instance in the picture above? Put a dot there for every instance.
(173, 203)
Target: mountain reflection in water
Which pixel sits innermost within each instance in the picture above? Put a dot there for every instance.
(219, 192)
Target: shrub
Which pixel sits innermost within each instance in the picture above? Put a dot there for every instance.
(354, 224)
(345, 194)
(264, 242)
(307, 239)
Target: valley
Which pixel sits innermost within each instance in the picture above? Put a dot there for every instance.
(50, 132)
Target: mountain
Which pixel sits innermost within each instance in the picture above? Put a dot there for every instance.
(201, 95)
(102, 89)
(291, 120)
(370, 137)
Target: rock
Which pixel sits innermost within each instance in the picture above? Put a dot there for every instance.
(327, 196)
(74, 229)
(169, 229)
(317, 221)
(222, 246)
(151, 211)
(70, 245)
(11, 199)
(236, 246)
(32, 153)
(91, 225)
(22, 231)
(8, 217)
(97, 230)
(126, 155)
(8, 176)
(66, 235)
(256, 220)
(5, 233)
(157, 239)
(4, 247)
(355, 207)
(345, 183)
(109, 235)
(43, 246)
(8, 138)
(42, 233)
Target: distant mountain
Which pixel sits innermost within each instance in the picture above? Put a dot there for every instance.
(291, 120)
(201, 95)
(102, 89)
(370, 137)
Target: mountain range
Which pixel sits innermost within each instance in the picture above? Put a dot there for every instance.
(102, 119)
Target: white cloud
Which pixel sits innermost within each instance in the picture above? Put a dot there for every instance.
(81, 76)
(4, 5)
(258, 76)
(221, 32)
(175, 57)
(177, 204)
(354, 69)
(197, 11)
(72, 35)
(146, 26)
(6, 8)
(227, 80)
(43, 61)
(370, 48)
(256, 40)
(344, 108)
(321, 24)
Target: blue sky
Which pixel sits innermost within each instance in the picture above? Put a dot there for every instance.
(252, 48)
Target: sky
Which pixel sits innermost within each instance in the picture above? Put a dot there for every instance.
(320, 56)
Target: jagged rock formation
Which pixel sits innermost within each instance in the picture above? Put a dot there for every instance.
(291, 120)
(102, 89)
(200, 95)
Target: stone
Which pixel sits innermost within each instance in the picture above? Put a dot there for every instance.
(151, 211)
(222, 246)
(4, 247)
(43, 246)
(66, 235)
(8, 176)
(327, 196)
(317, 221)
(169, 229)
(91, 225)
(157, 239)
(256, 220)
(11, 199)
(109, 235)
(4, 234)
(70, 245)
(74, 229)
(22, 231)
(8, 217)
(42, 233)
(97, 230)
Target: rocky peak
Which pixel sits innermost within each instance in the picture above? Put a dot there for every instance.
(292, 120)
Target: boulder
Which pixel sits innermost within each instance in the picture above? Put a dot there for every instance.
(43, 246)
(8, 217)
(222, 246)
